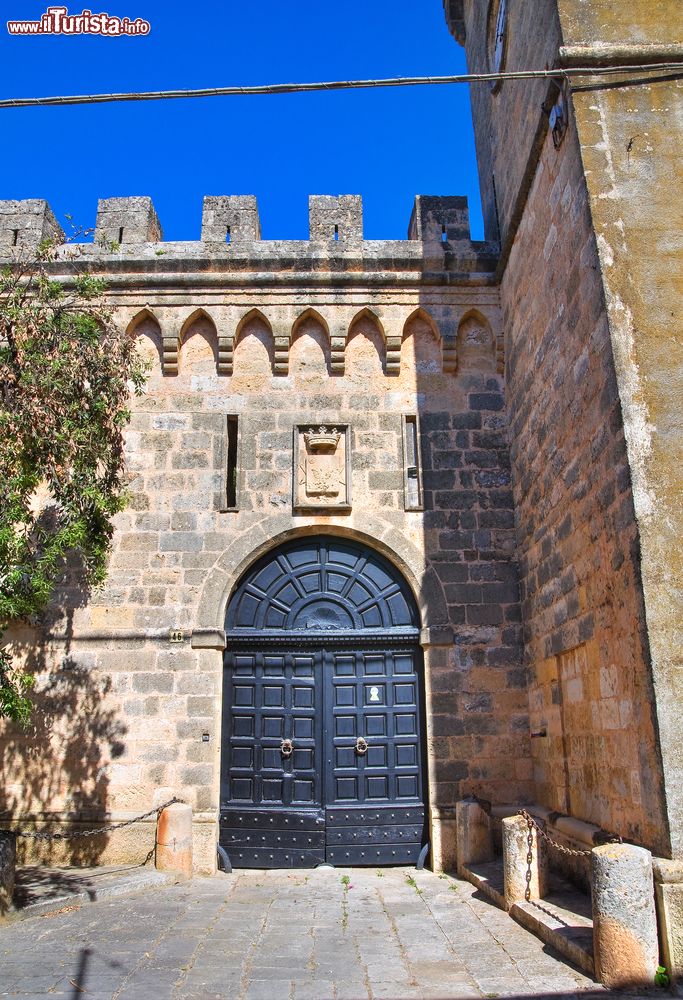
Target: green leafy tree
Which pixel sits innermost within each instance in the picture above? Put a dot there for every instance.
(66, 374)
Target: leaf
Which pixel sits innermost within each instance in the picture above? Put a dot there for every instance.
(65, 378)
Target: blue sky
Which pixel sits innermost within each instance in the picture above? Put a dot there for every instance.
(387, 145)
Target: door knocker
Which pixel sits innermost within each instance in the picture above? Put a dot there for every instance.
(286, 748)
(361, 746)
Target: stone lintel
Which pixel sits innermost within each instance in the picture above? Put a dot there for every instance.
(666, 871)
(608, 54)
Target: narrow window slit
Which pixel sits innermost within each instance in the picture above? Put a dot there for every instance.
(227, 235)
(121, 234)
(15, 237)
(412, 479)
(444, 235)
(231, 464)
(336, 233)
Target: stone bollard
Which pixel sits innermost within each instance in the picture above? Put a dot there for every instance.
(669, 900)
(624, 918)
(8, 864)
(515, 866)
(174, 840)
(473, 839)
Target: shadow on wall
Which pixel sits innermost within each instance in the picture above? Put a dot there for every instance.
(58, 767)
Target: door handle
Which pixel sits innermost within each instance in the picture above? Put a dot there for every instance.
(361, 746)
(286, 748)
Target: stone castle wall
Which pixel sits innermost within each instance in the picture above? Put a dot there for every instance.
(336, 332)
(596, 753)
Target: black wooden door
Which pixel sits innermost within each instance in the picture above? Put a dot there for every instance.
(322, 749)
(374, 793)
(271, 792)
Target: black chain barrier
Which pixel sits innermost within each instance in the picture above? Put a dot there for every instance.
(76, 834)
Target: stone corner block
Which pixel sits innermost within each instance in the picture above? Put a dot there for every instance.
(208, 638)
(437, 635)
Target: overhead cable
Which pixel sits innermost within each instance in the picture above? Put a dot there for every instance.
(302, 88)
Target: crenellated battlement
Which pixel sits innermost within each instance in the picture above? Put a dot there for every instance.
(129, 226)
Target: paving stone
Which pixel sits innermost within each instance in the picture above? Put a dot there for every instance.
(283, 936)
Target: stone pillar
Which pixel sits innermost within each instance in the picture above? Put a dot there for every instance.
(624, 919)
(669, 900)
(8, 862)
(515, 866)
(472, 833)
(174, 840)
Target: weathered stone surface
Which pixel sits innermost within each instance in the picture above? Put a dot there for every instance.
(125, 221)
(669, 899)
(8, 859)
(174, 840)
(516, 865)
(624, 918)
(474, 840)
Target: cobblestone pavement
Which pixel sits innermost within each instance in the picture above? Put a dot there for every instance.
(330, 934)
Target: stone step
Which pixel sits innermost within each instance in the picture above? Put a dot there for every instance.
(563, 919)
(41, 890)
(562, 922)
(488, 878)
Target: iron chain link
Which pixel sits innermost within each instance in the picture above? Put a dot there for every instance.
(533, 825)
(76, 834)
(529, 859)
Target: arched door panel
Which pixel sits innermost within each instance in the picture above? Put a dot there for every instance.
(322, 735)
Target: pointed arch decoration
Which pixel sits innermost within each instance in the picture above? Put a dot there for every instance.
(198, 314)
(392, 344)
(426, 317)
(337, 338)
(368, 313)
(312, 314)
(137, 320)
(231, 341)
(140, 317)
(476, 342)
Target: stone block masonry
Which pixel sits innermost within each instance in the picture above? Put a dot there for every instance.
(275, 336)
(593, 707)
